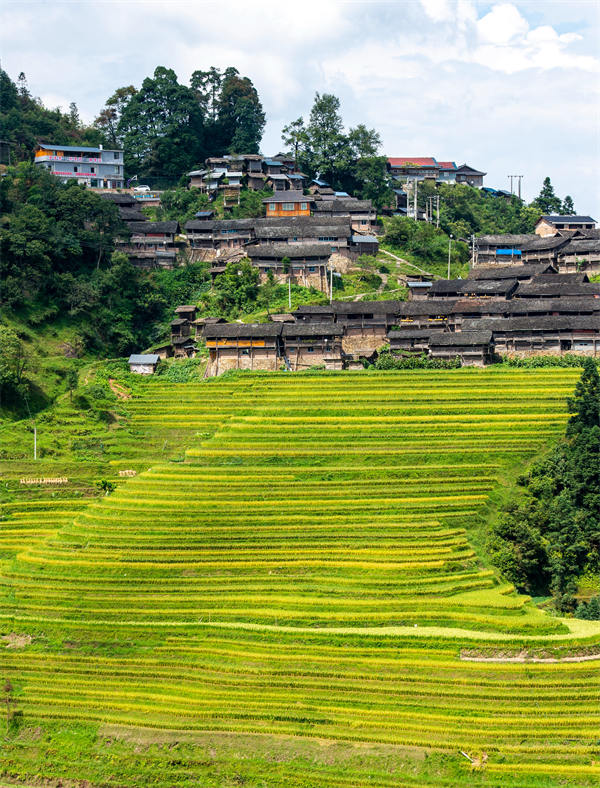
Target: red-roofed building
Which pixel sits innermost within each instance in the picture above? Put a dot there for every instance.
(415, 167)
(447, 173)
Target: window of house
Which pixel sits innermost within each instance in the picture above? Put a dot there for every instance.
(116, 155)
(311, 269)
(75, 169)
(271, 206)
(93, 182)
(310, 349)
(92, 169)
(245, 352)
(303, 206)
(288, 206)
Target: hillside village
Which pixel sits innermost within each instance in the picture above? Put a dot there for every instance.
(299, 452)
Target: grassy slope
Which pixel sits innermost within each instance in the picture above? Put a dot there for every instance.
(283, 464)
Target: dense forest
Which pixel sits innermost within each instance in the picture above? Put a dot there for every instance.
(549, 537)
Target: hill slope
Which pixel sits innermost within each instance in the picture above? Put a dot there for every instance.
(309, 573)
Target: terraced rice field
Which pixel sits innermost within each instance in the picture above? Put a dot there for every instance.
(311, 572)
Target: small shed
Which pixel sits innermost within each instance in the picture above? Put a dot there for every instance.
(186, 312)
(143, 363)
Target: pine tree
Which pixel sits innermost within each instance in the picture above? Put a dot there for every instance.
(547, 201)
(568, 209)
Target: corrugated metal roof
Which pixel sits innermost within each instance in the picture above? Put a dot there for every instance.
(143, 358)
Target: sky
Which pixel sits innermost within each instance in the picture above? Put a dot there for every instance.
(507, 87)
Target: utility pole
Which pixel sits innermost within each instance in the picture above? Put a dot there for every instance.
(416, 201)
(473, 250)
(449, 252)
(330, 283)
(510, 178)
(520, 177)
(437, 224)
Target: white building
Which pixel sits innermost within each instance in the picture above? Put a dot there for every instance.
(93, 167)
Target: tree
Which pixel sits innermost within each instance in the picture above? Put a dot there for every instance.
(294, 137)
(109, 117)
(373, 181)
(241, 116)
(237, 287)
(364, 142)
(568, 209)
(547, 201)
(13, 362)
(585, 404)
(71, 379)
(162, 127)
(323, 149)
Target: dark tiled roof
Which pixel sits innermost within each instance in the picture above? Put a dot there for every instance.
(505, 239)
(343, 206)
(537, 323)
(477, 286)
(427, 307)
(289, 196)
(312, 329)
(400, 333)
(517, 271)
(554, 219)
(144, 228)
(293, 251)
(250, 330)
(460, 338)
(120, 199)
(557, 289)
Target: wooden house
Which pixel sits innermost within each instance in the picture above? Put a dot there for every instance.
(418, 289)
(427, 313)
(556, 335)
(580, 254)
(473, 347)
(500, 249)
(143, 363)
(469, 176)
(557, 287)
(473, 288)
(279, 183)
(152, 244)
(186, 312)
(409, 340)
(361, 213)
(308, 263)
(522, 273)
(364, 244)
(288, 203)
(313, 344)
(274, 167)
(249, 346)
(332, 232)
(549, 224)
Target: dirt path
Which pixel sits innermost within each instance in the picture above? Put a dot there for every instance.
(118, 389)
(525, 658)
(405, 262)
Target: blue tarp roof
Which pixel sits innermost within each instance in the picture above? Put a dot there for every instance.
(341, 194)
(203, 214)
(364, 239)
(320, 183)
(273, 163)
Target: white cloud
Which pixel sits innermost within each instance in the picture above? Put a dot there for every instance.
(503, 25)
(503, 85)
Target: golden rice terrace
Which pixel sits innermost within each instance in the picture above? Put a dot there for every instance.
(302, 599)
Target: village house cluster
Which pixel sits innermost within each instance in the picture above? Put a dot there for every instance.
(570, 243)
(304, 239)
(522, 310)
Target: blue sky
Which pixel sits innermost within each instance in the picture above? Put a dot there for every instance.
(508, 87)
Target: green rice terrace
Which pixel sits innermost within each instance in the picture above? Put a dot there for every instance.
(292, 590)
